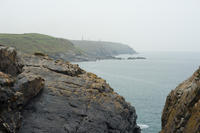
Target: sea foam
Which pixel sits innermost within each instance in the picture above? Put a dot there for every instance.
(143, 126)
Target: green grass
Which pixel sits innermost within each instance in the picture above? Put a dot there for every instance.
(32, 42)
(102, 48)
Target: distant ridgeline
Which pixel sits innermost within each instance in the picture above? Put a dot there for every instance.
(70, 50)
(101, 49)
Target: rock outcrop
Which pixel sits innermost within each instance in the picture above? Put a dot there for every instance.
(181, 113)
(16, 90)
(41, 95)
(9, 62)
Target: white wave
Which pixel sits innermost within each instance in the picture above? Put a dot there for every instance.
(143, 126)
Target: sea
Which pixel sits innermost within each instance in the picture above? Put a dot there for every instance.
(146, 83)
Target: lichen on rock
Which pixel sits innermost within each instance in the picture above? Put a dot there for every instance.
(181, 113)
(44, 95)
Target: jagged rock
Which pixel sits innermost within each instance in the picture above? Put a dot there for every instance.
(181, 113)
(14, 97)
(9, 62)
(29, 85)
(15, 90)
(72, 101)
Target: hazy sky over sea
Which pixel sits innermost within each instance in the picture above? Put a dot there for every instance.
(143, 24)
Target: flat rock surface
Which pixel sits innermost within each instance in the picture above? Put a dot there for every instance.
(56, 96)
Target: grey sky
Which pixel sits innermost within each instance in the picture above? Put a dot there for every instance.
(144, 24)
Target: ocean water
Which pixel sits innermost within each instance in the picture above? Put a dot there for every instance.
(146, 83)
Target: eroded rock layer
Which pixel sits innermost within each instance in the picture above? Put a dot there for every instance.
(181, 113)
(42, 95)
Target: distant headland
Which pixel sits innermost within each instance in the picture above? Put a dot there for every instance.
(69, 50)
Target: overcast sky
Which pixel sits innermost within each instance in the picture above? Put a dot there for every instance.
(143, 24)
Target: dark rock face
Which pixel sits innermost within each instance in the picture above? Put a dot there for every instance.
(181, 113)
(55, 96)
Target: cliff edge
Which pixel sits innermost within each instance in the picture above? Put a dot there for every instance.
(40, 95)
(181, 113)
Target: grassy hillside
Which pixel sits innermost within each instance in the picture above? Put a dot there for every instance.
(62, 48)
(101, 48)
(32, 42)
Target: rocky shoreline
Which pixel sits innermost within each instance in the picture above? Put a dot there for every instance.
(77, 58)
(39, 94)
(136, 58)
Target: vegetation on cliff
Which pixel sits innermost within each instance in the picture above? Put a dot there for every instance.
(32, 42)
(102, 49)
(62, 48)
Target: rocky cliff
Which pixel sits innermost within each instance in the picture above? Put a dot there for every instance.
(181, 113)
(41, 95)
